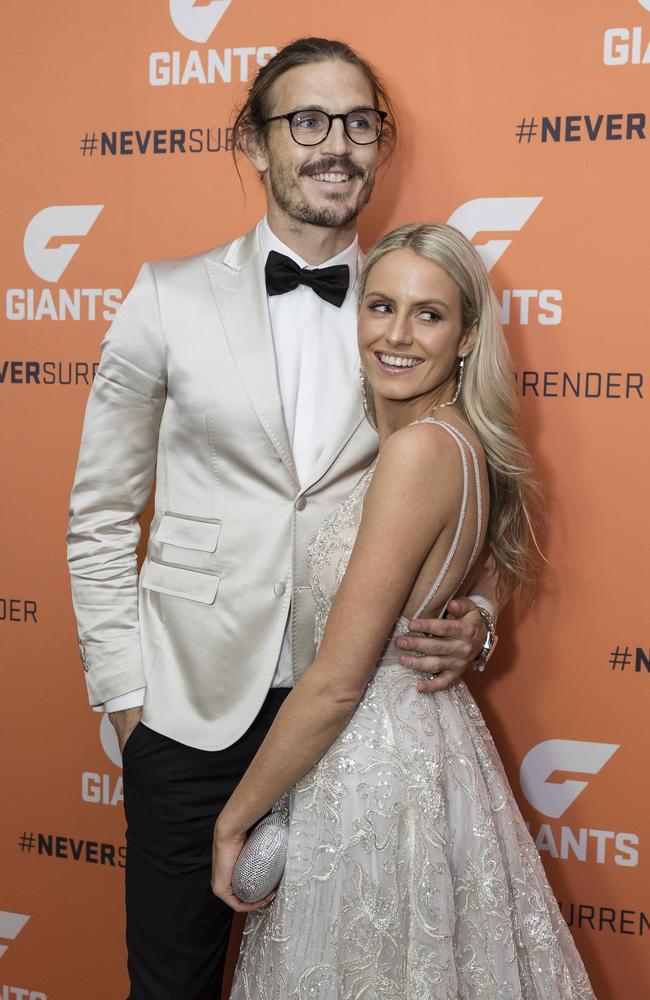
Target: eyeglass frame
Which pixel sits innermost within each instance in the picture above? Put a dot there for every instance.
(301, 111)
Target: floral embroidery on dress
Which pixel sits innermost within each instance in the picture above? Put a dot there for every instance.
(410, 872)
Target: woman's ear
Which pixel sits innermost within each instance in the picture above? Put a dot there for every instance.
(253, 147)
(468, 340)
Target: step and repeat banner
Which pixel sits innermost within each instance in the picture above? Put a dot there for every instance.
(528, 127)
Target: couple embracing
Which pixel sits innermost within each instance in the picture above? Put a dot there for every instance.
(336, 468)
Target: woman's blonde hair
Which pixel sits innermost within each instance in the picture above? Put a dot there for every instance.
(487, 396)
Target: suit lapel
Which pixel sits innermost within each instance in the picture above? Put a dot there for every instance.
(237, 281)
(239, 290)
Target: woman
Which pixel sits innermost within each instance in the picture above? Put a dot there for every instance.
(410, 872)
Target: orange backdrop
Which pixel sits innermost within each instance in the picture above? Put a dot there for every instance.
(525, 125)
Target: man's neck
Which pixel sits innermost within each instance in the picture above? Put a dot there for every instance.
(314, 244)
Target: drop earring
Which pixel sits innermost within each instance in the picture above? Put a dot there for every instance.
(461, 372)
(459, 383)
(364, 397)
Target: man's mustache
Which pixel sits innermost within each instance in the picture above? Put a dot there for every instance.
(343, 163)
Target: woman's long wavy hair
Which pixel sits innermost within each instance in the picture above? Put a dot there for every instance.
(487, 397)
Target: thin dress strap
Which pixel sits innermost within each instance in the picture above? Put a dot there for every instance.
(462, 443)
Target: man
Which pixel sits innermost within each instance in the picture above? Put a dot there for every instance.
(232, 377)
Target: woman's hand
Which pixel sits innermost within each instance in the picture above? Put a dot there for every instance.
(225, 851)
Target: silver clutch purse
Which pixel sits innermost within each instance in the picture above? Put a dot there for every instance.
(260, 865)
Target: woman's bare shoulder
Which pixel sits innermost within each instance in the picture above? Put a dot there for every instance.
(430, 440)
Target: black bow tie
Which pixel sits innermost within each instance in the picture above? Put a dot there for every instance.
(283, 275)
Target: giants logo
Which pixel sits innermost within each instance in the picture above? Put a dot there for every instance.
(54, 225)
(519, 306)
(627, 45)
(197, 22)
(11, 924)
(553, 799)
(488, 215)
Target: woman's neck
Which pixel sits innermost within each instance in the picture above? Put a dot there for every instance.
(392, 414)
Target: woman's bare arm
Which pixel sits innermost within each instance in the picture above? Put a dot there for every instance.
(415, 491)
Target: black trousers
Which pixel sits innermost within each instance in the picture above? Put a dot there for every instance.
(176, 929)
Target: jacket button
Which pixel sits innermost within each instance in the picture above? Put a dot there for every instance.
(301, 503)
(279, 588)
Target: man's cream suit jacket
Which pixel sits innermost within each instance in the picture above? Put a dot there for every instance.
(187, 393)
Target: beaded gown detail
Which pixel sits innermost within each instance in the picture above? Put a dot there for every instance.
(410, 873)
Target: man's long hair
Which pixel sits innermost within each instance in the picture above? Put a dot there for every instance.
(251, 117)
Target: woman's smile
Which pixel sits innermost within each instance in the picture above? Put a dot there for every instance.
(396, 364)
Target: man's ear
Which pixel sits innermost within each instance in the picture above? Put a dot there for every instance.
(253, 147)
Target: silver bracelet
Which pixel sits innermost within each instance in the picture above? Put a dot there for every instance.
(490, 643)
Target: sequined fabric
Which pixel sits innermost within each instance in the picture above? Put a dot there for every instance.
(410, 873)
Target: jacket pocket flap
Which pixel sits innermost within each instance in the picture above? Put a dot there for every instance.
(189, 532)
(179, 582)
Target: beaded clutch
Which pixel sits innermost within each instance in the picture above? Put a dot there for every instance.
(260, 865)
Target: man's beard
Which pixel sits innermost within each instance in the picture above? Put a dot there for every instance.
(331, 216)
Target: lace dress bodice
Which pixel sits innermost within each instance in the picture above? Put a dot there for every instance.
(329, 553)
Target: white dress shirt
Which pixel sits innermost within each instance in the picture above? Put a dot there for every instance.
(317, 361)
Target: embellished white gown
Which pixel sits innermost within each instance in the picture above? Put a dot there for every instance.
(410, 873)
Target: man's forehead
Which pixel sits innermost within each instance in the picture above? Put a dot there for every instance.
(333, 85)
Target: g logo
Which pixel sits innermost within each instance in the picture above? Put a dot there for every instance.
(49, 263)
(485, 215)
(197, 23)
(11, 924)
(560, 755)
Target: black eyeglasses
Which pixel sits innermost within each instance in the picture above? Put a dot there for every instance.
(309, 128)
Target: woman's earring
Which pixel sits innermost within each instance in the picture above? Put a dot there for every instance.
(450, 402)
(364, 394)
(364, 399)
(459, 384)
